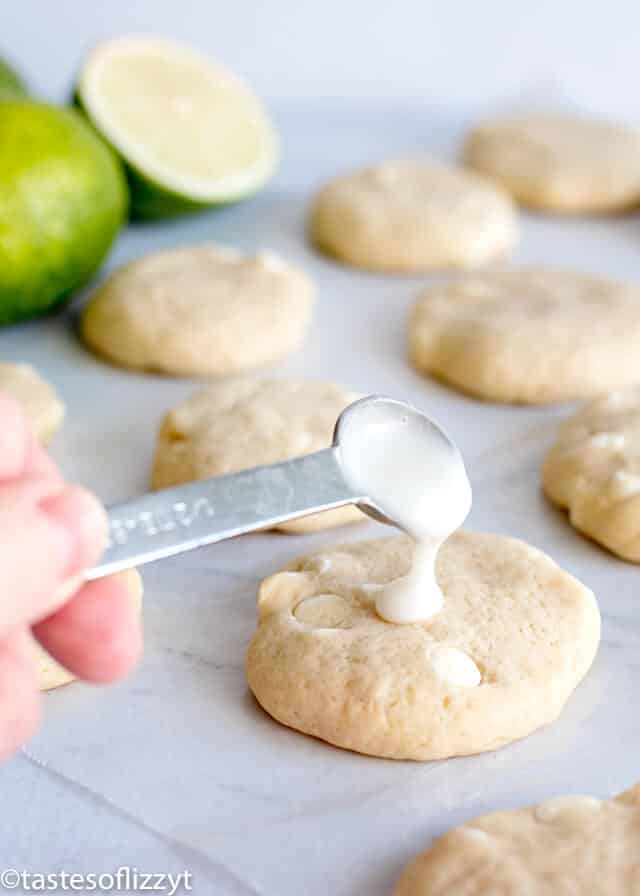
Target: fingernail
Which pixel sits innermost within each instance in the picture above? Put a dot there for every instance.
(84, 518)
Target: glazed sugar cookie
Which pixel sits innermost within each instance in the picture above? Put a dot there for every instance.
(228, 427)
(50, 673)
(199, 311)
(324, 663)
(571, 844)
(559, 163)
(413, 216)
(39, 400)
(529, 336)
(593, 471)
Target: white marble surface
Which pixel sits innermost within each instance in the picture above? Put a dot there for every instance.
(177, 768)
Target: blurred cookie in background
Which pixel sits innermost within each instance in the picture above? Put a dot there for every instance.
(528, 336)
(199, 311)
(593, 471)
(246, 423)
(41, 403)
(412, 216)
(559, 163)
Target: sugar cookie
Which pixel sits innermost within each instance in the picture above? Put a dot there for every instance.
(593, 470)
(559, 163)
(199, 311)
(41, 404)
(323, 663)
(413, 216)
(569, 844)
(246, 423)
(531, 335)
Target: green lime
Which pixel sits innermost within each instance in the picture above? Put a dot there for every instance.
(11, 84)
(191, 133)
(63, 199)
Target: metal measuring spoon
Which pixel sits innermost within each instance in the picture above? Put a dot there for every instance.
(189, 516)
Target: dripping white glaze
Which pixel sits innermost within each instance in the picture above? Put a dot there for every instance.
(409, 469)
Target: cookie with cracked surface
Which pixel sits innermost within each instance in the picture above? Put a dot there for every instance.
(322, 661)
(529, 336)
(559, 163)
(413, 216)
(570, 844)
(199, 311)
(593, 471)
(227, 427)
(40, 402)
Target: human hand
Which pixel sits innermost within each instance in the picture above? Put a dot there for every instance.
(49, 532)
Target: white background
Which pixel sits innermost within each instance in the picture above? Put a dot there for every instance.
(452, 55)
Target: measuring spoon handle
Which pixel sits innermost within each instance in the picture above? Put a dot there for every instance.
(169, 522)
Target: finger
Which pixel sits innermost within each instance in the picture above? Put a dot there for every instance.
(14, 438)
(97, 635)
(35, 551)
(80, 513)
(19, 697)
(46, 537)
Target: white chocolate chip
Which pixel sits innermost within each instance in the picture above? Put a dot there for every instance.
(324, 564)
(612, 440)
(322, 610)
(614, 399)
(624, 485)
(270, 261)
(370, 588)
(474, 833)
(455, 667)
(301, 442)
(556, 808)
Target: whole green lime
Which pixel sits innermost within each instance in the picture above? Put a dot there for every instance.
(63, 199)
(10, 81)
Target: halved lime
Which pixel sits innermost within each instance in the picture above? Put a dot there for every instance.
(191, 133)
(10, 81)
